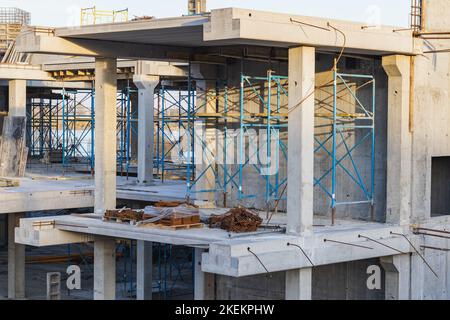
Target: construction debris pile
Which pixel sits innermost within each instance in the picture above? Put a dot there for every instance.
(238, 220)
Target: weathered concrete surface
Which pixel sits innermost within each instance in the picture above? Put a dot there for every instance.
(301, 140)
(144, 270)
(104, 269)
(146, 90)
(17, 98)
(204, 283)
(105, 134)
(399, 140)
(16, 261)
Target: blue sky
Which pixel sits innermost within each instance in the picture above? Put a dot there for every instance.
(66, 12)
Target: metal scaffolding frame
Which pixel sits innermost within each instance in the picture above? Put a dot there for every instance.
(271, 119)
(171, 117)
(92, 16)
(126, 118)
(229, 116)
(14, 16)
(44, 126)
(64, 123)
(77, 126)
(334, 142)
(173, 263)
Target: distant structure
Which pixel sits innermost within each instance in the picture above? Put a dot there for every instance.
(92, 15)
(11, 22)
(14, 16)
(196, 7)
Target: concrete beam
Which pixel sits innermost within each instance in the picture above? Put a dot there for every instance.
(399, 140)
(301, 140)
(204, 283)
(161, 69)
(47, 44)
(104, 269)
(247, 26)
(144, 279)
(105, 134)
(16, 261)
(18, 98)
(146, 103)
(397, 269)
(20, 72)
(233, 259)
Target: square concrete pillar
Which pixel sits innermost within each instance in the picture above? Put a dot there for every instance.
(105, 134)
(18, 98)
(204, 283)
(144, 278)
(104, 269)
(397, 269)
(300, 212)
(399, 173)
(105, 172)
(301, 140)
(146, 104)
(299, 284)
(16, 260)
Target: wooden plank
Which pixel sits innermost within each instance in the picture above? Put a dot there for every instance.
(174, 228)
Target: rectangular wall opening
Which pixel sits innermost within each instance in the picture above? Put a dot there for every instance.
(440, 187)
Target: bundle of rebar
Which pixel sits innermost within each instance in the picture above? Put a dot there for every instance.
(238, 220)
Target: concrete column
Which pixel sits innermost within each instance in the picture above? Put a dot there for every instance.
(204, 283)
(301, 140)
(300, 213)
(105, 134)
(17, 98)
(105, 173)
(397, 269)
(16, 260)
(144, 279)
(146, 105)
(299, 284)
(399, 140)
(104, 269)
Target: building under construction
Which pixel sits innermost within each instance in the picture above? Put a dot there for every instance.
(233, 154)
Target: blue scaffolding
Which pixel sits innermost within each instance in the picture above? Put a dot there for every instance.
(171, 122)
(77, 126)
(126, 128)
(271, 120)
(264, 157)
(344, 133)
(63, 123)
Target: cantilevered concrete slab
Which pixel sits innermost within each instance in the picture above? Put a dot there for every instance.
(43, 195)
(175, 39)
(228, 253)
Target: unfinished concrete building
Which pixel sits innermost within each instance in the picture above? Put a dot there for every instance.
(352, 169)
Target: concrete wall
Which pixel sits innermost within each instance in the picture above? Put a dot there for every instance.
(431, 110)
(345, 281)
